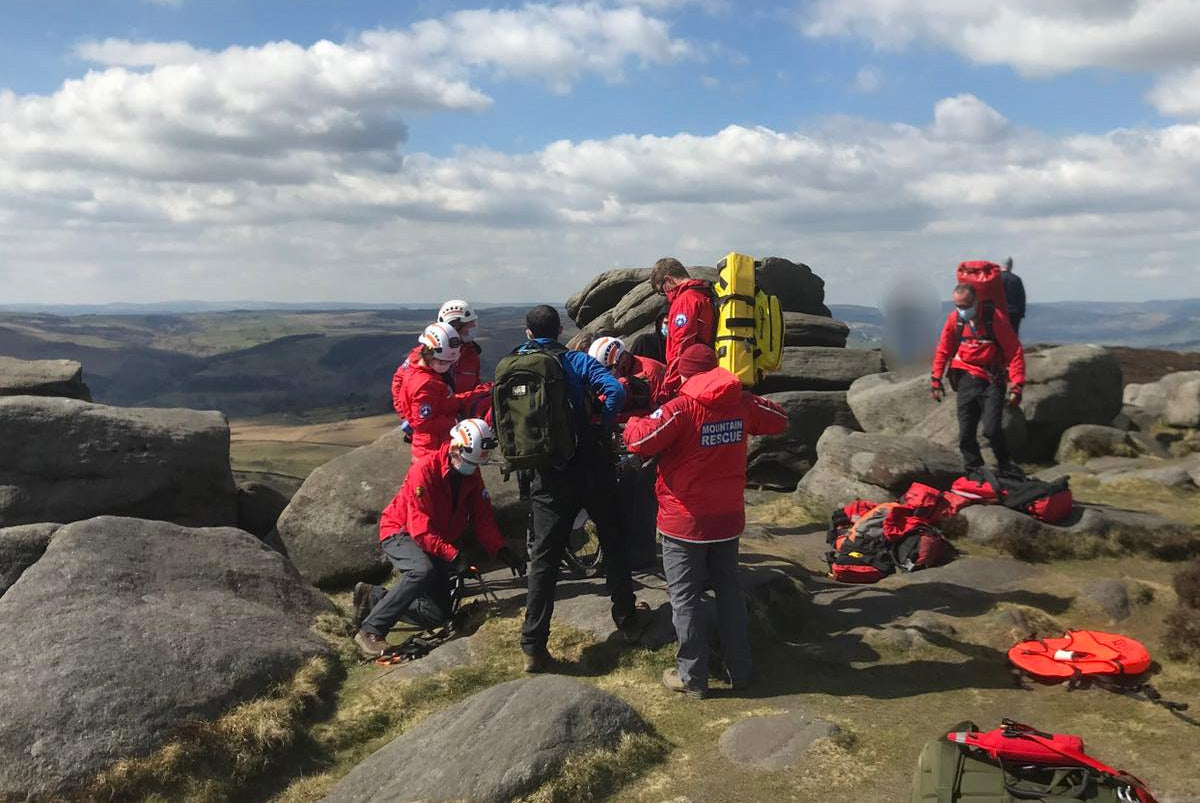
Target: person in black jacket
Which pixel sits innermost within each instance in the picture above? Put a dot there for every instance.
(1014, 294)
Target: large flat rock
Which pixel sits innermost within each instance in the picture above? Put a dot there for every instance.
(74, 460)
(774, 742)
(125, 629)
(821, 368)
(42, 378)
(779, 461)
(805, 329)
(20, 548)
(1065, 386)
(497, 745)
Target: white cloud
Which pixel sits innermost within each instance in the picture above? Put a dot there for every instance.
(1038, 37)
(868, 80)
(275, 172)
(1178, 93)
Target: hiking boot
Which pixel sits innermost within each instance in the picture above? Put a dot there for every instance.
(634, 625)
(362, 604)
(672, 681)
(370, 645)
(540, 661)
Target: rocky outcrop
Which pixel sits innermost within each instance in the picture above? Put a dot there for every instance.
(1183, 405)
(555, 717)
(1152, 397)
(805, 329)
(778, 461)
(259, 507)
(872, 466)
(798, 288)
(1085, 441)
(821, 368)
(894, 404)
(75, 460)
(603, 293)
(20, 548)
(331, 526)
(125, 630)
(43, 378)
(1065, 386)
(1089, 530)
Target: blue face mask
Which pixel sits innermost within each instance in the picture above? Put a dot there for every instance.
(465, 467)
(662, 330)
(966, 313)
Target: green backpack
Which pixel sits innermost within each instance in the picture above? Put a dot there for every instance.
(534, 421)
(951, 772)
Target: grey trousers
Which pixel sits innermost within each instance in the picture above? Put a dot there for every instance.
(690, 567)
(421, 595)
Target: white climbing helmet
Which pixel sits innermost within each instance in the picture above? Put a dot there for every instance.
(475, 440)
(607, 350)
(442, 340)
(455, 312)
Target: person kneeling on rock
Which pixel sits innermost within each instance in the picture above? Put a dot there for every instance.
(700, 438)
(420, 531)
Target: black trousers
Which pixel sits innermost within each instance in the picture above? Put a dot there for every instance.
(981, 400)
(421, 595)
(589, 483)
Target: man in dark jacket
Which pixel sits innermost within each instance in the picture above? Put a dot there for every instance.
(700, 437)
(587, 482)
(1014, 295)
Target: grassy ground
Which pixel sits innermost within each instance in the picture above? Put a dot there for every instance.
(281, 446)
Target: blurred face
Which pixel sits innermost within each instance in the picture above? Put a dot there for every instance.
(466, 330)
(964, 300)
(441, 366)
(668, 283)
(624, 366)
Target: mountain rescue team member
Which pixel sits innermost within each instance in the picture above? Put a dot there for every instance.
(700, 439)
(421, 395)
(653, 344)
(983, 359)
(690, 318)
(644, 396)
(1014, 295)
(587, 482)
(420, 531)
(466, 373)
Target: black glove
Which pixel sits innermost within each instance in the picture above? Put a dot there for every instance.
(512, 560)
(935, 388)
(462, 566)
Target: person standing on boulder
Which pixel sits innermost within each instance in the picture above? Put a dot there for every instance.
(588, 481)
(420, 533)
(700, 439)
(691, 317)
(984, 358)
(1014, 294)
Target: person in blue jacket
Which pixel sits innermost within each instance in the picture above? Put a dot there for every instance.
(1014, 295)
(587, 482)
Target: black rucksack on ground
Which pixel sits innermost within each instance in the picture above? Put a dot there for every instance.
(534, 421)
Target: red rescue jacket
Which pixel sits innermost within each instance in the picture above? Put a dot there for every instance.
(655, 374)
(422, 397)
(424, 509)
(467, 369)
(700, 437)
(690, 320)
(976, 353)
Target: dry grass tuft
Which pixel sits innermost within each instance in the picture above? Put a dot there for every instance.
(780, 513)
(593, 776)
(210, 760)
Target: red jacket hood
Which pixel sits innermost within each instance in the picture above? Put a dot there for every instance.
(715, 388)
(691, 284)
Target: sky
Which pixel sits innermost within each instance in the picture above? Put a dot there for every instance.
(414, 150)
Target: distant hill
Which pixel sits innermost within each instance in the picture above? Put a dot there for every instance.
(1147, 324)
(257, 361)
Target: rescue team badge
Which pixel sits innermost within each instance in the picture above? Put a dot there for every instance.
(680, 319)
(720, 433)
(425, 410)
(656, 414)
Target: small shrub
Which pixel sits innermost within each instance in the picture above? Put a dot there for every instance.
(1187, 585)
(1183, 634)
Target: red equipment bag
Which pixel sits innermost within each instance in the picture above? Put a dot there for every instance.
(926, 501)
(870, 541)
(1022, 744)
(975, 490)
(988, 281)
(1055, 507)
